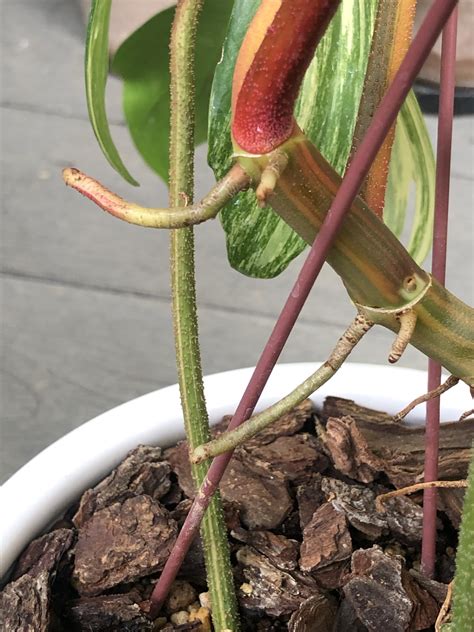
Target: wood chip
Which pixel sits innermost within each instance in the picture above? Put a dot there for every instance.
(436, 589)
(340, 407)
(451, 502)
(193, 568)
(349, 450)
(142, 472)
(375, 599)
(357, 502)
(316, 613)
(309, 496)
(425, 605)
(44, 554)
(270, 590)
(402, 517)
(333, 576)
(281, 551)
(296, 458)
(362, 449)
(106, 613)
(261, 495)
(25, 604)
(121, 543)
(326, 539)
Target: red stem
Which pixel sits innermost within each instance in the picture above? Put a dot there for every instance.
(263, 116)
(440, 237)
(355, 175)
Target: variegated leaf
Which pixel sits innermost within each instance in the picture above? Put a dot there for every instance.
(412, 162)
(259, 243)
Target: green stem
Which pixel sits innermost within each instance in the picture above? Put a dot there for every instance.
(380, 276)
(230, 440)
(213, 530)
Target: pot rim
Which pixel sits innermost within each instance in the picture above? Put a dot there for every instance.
(89, 452)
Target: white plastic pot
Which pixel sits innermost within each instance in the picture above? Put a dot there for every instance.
(38, 493)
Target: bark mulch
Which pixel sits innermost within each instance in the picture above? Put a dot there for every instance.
(310, 550)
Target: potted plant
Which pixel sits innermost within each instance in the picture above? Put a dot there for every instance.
(272, 155)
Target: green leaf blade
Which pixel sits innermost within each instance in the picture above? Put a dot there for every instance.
(412, 162)
(96, 73)
(142, 61)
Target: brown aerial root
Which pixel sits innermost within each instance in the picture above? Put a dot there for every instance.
(442, 615)
(442, 388)
(467, 414)
(411, 489)
(407, 320)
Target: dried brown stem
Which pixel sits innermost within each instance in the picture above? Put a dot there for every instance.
(449, 383)
(466, 415)
(411, 489)
(440, 619)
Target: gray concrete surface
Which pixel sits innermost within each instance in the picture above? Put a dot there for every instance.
(85, 298)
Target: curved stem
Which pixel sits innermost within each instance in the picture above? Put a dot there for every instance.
(230, 440)
(449, 383)
(175, 217)
(213, 531)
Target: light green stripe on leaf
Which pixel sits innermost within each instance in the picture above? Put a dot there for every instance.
(96, 72)
(412, 163)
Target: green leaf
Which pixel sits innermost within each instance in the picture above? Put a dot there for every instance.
(259, 243)
(143, 63)
(412, 162)
(96, 72)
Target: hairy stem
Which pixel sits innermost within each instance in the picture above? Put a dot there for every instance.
(175, 217)
(230, 440)
(214, 534)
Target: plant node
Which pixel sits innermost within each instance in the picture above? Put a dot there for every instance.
(231, 439)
